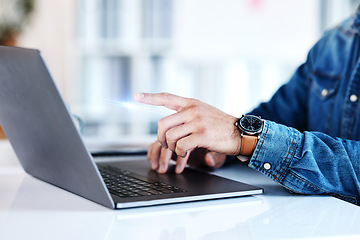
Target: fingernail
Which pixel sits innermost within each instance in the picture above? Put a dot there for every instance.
(178, 170)
(161, 169)
(139, 95)
(154, 166)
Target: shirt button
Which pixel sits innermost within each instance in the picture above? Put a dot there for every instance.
(353, 98)
(324, 92)
(267, 166)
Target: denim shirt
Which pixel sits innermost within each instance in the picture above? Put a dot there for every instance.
(310, 143)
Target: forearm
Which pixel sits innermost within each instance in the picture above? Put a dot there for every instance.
(309, 162)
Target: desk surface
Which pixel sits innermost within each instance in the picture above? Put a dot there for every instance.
(32, 209)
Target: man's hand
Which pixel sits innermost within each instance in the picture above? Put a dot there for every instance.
(195, 125)
(159, 158)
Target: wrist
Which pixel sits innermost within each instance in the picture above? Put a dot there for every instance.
(235, 139)
(250, 128)
(248, 145)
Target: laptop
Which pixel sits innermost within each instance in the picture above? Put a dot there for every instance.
(49, 147)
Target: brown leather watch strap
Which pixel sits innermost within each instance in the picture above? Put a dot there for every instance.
(248, 144)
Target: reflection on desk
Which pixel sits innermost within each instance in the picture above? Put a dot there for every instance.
(32, 209)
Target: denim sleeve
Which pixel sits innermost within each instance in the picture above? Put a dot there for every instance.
(309, 162)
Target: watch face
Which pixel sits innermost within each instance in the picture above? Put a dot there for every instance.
(251, 124)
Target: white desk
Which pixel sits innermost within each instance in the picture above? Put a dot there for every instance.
(32, 209)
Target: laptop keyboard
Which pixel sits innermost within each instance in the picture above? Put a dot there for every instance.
(125, 184)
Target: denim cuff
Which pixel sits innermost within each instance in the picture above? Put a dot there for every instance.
(275, 150)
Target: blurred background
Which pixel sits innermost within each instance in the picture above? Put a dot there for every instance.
(232, 54)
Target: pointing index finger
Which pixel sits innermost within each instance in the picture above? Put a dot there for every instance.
(167, 100)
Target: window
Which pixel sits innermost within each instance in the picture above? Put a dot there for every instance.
(232, 54)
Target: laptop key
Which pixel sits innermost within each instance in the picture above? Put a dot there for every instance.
(124, 184)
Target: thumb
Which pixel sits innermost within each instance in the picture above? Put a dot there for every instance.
(214, 160)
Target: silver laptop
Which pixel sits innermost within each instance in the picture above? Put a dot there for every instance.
(49, 146)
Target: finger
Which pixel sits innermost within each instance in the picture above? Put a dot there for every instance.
(168, 100)
(164, 160)
(214, 160)
(181, 163)
(170, 122)
(153, 155)
(174, 134)
(187, 145)
(167, 123)
(197, 157)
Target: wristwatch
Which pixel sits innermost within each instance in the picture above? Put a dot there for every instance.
(250, 127)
